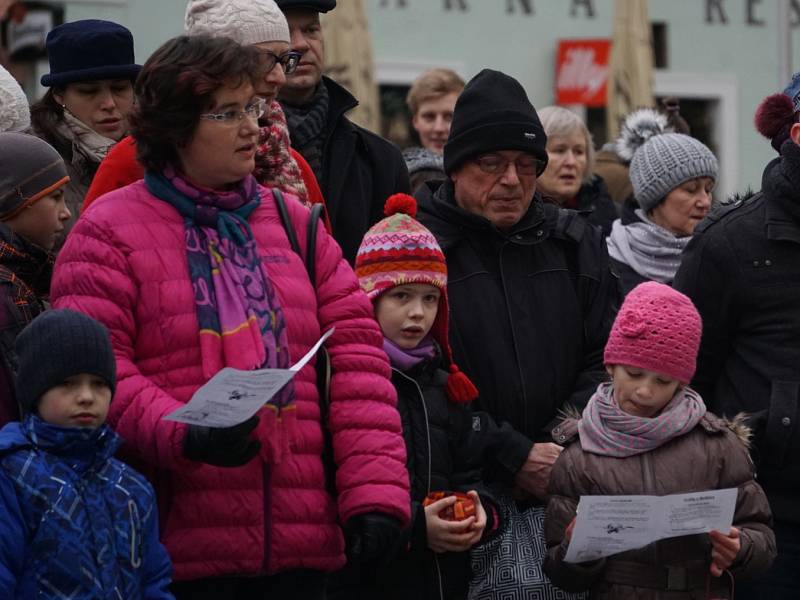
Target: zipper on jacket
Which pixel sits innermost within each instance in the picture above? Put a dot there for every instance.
(649, 475)
(430, 468)
(427, 425)
(514, 341)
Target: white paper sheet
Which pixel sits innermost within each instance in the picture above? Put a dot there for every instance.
(608, 525)
(232, 396)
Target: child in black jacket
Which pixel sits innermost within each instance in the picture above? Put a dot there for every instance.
(402, 269)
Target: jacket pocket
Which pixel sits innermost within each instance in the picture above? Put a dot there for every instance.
(781, 421)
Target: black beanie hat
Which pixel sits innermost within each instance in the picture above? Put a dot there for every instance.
(493, 113)
(59, 344)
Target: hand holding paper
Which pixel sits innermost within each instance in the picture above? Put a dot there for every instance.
(233, 396)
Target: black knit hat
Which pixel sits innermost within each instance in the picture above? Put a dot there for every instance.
(59, 344)
(321, 6)
(30, 168)
(493, 113)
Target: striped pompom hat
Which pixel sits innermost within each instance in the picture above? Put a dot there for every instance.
(399, 250)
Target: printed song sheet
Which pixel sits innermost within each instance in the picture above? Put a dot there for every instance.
(608, 525)
(232, 396)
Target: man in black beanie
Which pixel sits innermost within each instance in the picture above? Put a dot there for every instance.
(532, 298)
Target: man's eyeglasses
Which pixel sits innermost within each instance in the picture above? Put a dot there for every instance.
(254, 110)
(494, 164)
(287, 60)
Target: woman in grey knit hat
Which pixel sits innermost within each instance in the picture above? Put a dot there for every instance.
(673, 176)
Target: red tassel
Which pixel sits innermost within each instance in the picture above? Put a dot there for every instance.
(459, 388)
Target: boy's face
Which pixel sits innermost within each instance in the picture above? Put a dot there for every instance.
(406, 313)
(44, 220)
(80, 401)
(640, 392)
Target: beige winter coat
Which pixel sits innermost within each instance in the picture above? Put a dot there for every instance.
(711, 456)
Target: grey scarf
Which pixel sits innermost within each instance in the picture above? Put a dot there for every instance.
(649, 249)
(307, 128)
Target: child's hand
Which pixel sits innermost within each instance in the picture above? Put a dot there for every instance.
(450, 536)
(724, 549)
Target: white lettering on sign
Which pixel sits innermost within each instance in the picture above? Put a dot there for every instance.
(581, 71)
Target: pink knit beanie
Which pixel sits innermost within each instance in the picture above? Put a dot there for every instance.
(657, 329)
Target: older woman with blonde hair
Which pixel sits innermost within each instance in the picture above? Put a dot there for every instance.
(568, 179)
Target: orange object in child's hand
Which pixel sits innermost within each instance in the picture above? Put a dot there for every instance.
(461, 509)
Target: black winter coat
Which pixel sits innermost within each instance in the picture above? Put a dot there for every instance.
(530, 309)
(742, 271)
(25, 272)
(360, 171)
(595, 204)
(447, 446)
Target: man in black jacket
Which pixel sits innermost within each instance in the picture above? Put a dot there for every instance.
(356, 169)
(532, 298)
(742, 271)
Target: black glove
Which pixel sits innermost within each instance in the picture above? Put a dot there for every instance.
(222, 446)
(372, 538)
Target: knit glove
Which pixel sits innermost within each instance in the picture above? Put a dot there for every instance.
(372, 538)
(222, 446)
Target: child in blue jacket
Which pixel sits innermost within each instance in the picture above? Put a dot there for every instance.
(76, 522)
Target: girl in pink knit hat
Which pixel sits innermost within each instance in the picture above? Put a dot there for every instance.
(647, 433)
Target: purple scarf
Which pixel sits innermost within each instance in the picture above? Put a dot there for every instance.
(403, 359)
(241, 322)
(607, 430)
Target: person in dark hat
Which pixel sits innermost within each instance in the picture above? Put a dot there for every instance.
(66, 502)
(85, 111)
(740, 270)
(529, 282)
(33, 213)
(356, 169)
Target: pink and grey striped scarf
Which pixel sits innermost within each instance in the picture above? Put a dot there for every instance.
(607, 430)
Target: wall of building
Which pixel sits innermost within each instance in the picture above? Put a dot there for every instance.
(720, 50)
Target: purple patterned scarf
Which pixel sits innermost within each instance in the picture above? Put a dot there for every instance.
(607, 430)
(240, 318)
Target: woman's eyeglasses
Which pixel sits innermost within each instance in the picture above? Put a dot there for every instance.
(288, 61)
(254, 110)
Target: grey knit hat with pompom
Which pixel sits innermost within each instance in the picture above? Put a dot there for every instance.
(660, 161)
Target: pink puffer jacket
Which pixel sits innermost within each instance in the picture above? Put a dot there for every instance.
(125, 264)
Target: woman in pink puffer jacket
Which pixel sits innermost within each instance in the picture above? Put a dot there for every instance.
(191, 271)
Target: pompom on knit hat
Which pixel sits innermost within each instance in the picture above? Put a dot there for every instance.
(657, 329)
(246, 22)
(15, 114)
(777, 113)
(59, 344)
(30, 168)
(659, 160)
(399, 250)
(493, 113)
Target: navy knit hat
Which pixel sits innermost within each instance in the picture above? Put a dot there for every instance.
(89, 50)
(321, 6)
(493, 113)
(59, 344)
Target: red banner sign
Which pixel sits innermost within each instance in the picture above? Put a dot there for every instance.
(582, 71)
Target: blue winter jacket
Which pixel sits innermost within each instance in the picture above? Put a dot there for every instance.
(75, 522)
